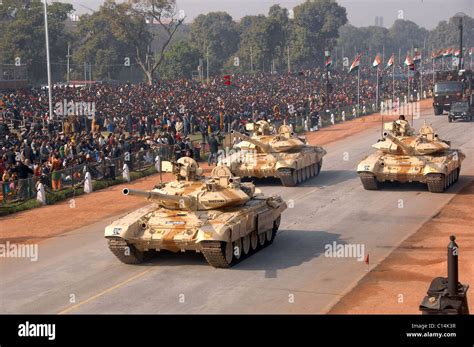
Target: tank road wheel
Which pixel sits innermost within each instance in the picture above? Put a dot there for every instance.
(456, 175)
(127, 254)
(300, 176)
(246, 244)
(436, 183)
(218, 254)
(308, 172)
(237, 248)
(253, 240)
(319, 165)
(262, 239)
(369, 181)
(271, 234)
(294, 176)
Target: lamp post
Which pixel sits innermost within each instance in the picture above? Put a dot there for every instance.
(326, 55)
(460, 58)
(460, 44)
(48, 62)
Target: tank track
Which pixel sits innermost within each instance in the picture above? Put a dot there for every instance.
(435, 183)
(119, 247)
(369, 181)
(214, 254)
(287, 179)
(438, 183)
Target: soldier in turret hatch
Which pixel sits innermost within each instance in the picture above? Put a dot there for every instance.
(403, 127)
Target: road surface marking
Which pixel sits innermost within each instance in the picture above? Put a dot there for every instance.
(108, 290)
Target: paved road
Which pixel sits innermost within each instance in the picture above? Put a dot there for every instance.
(76, 273)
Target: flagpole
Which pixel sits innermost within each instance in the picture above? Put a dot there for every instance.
(421, 77)
(393, 79)
(358, 90)
(377, 91)
(408, 83)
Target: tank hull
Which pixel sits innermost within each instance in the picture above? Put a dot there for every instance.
(305, 163)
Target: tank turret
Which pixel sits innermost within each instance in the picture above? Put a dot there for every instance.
(427, 142)
(264, 147)
(221, 190)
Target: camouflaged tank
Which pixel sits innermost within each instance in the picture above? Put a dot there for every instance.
(220, 217)
(403, 156)
(282, 155)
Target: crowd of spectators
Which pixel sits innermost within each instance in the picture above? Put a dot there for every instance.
(98, 122)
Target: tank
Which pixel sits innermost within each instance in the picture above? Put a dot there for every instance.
(282, 155)
(219, 216)
(402, 156)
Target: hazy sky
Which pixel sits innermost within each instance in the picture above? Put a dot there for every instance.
(426, 13)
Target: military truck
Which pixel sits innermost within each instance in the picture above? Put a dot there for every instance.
(450, 87)
(220, 217)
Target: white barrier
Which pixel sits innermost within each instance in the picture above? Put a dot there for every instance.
(88, 183)
(158, 163)
(40, 193)
(126, 173)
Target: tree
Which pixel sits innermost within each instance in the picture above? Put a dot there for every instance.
(180, 61)
(217, 32)
(97, 44)
(446, 34)
(22, 28)
(133, 23)
(316, 26)
(406, 35)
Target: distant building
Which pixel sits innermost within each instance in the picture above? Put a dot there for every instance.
(379, 21)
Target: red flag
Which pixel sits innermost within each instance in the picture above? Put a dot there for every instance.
(227, 80)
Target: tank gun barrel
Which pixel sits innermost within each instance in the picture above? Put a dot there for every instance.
(405, 148)
(263, 146)
(182, 200)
